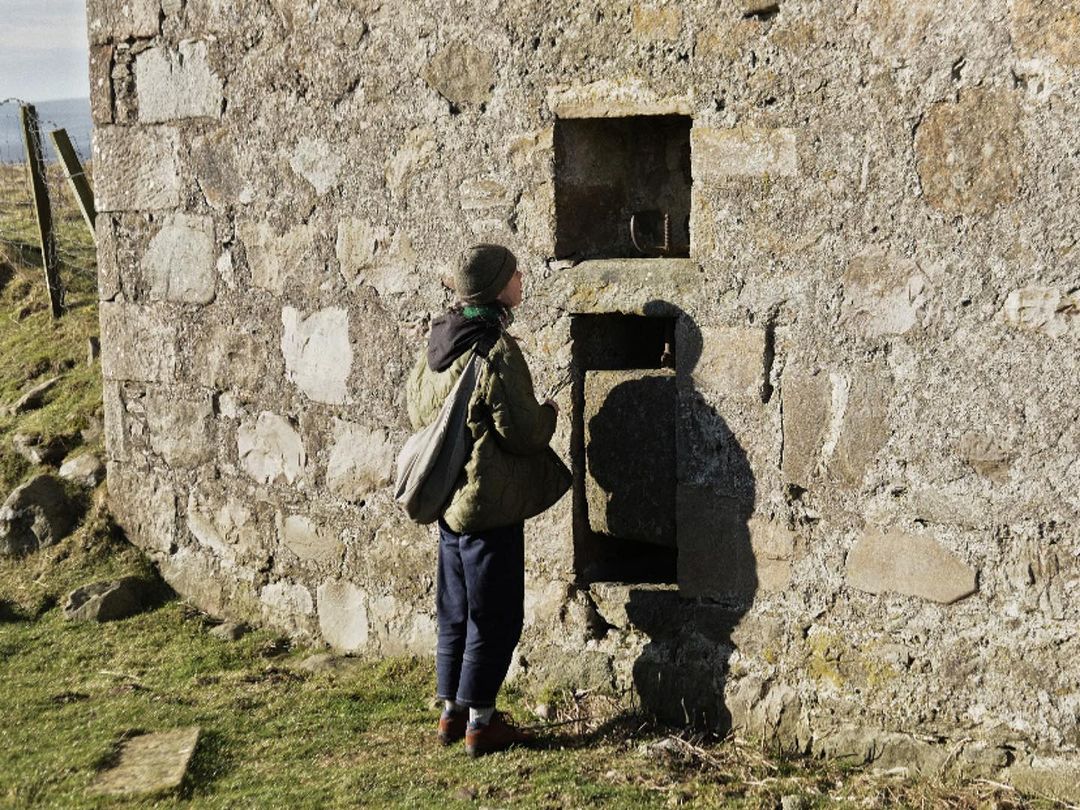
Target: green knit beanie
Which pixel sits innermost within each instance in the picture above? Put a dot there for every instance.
(482, 273)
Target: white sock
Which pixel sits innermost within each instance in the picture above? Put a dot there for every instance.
(452, 706)
(481, 717)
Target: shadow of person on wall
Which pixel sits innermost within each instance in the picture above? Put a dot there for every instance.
(673, 479)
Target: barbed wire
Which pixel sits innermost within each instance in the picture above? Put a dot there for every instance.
(72, 249)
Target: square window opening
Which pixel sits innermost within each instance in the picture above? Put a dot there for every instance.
(622, 187)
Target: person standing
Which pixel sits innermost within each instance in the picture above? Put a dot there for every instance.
(511, 474)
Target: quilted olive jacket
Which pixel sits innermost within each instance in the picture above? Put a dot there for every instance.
(512, 474)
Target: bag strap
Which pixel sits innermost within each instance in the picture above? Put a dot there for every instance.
(486, 342)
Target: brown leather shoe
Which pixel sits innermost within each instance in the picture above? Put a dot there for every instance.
(452, 726)
(496, 735)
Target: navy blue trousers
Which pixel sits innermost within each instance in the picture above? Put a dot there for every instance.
(480, 604)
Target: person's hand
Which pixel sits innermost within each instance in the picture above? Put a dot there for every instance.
(553, 405)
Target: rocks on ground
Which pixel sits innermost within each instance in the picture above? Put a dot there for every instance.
(84, 469)
(109, 600)
(150, 763)
(36, 514)
(36, 451)
(230, 631)
(326, 662)
(34, 398)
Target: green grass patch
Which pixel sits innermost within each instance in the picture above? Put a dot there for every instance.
(33, 348)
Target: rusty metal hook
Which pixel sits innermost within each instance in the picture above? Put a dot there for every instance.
(662, 249)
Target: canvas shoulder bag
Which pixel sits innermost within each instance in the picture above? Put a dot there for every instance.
(432, 459)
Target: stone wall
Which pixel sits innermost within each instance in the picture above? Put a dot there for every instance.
(877, 486)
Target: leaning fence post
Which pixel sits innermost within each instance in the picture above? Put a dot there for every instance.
(36, 162)
(76, 176)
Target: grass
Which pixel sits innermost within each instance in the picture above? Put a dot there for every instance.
(273, 734)
(33, 346)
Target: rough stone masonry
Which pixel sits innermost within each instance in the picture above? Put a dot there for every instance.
(874, 481)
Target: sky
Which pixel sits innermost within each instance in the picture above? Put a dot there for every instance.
(43, 50)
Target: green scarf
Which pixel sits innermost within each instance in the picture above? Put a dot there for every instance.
(489, 312)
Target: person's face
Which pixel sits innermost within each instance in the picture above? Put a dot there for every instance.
(511, 294)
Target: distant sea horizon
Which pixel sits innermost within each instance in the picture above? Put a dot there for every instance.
(72, 114)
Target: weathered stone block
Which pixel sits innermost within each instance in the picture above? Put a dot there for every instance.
(108, 21)
(289, 606)
(410, 158)
(112, 401)
(1055, 776)
(277, 261)
(180, 261)
(174, 85)
(343, 616)
(36, 514)
(461, 73)
(732, 361)
(32, 399)
(1045, 310)
(397, 628)
(137, 343)
(614, 98)
(969, 154)
(215, 162)
(149, 764)
(726, 551)
(536, 216)
(773, 546)
(1047, 29)
(318, 356)
(882, 295)
(656, 22)
(310, 540)
(181, 428)
(768, 712)
(986, 455)
(630, 453)
(136, 169)
(725, 38)
(864, 426)
(85, 469)
(361, 460)
(144, 506)
(719, 154)
(108, 266)
(214, 588)
(108, 601)
(909, 564)
(482, 193)
(101, 95)
(318, 163)
(358, 243)
(807, 401)
(271, 450)
(230, 358)
(233, 530)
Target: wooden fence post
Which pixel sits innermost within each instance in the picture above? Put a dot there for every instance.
(36, 162)
(76, 176)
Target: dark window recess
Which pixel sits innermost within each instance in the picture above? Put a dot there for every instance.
(622, 187)
(623, 448)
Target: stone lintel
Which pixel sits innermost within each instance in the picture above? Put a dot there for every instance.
(631, 286)
(609, 98)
